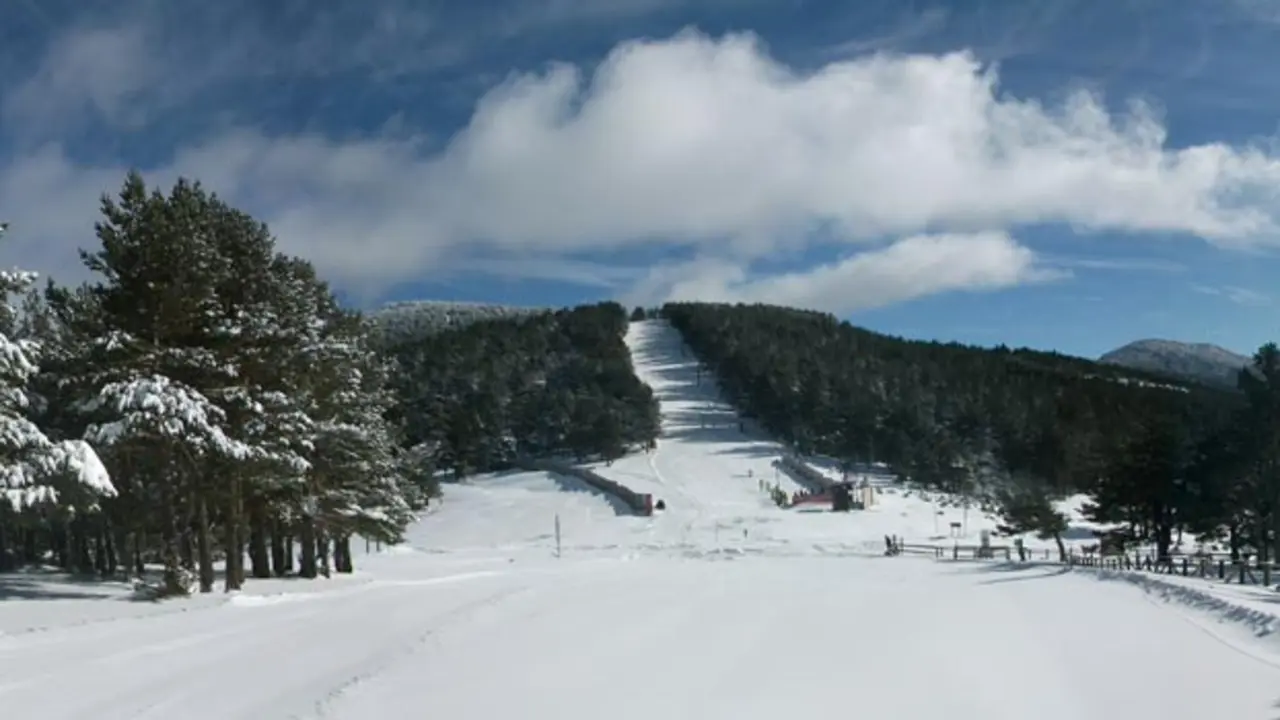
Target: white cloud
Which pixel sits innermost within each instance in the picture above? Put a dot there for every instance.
(710, 146)
(1125, 264)
(1235, 294)
(908, 269)
(97, 71)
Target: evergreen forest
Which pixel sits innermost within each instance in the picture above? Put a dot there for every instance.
(205, 405)
(1159, 456)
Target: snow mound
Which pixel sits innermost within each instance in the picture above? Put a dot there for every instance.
(1258, 622)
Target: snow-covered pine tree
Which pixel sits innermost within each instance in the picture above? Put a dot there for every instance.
(417, 465)
(155, 314)
(257, 336)
(365, 485)
(35, 470)
(271, 341)
(172, 429)
(356, 483)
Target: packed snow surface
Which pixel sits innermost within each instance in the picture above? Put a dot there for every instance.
(530, 596)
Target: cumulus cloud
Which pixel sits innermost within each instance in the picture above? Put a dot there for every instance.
(910, 268)
(711, 147)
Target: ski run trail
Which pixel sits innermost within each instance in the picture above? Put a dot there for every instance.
(723, 606)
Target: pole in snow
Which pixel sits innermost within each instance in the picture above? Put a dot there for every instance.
(557, 534)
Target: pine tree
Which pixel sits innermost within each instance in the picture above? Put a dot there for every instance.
(35, 470)
(1028, 509)
(355, 478)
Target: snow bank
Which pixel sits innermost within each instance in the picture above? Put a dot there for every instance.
(1258, 622)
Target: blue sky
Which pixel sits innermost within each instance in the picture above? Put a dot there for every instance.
(1069, 174)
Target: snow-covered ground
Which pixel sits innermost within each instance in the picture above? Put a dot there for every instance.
(725, 606)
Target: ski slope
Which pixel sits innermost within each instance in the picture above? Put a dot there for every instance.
(723, 607)
(697, 425)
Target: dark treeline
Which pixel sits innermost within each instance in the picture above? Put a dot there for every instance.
(1158, 455)
(204, 399)
(542, 385)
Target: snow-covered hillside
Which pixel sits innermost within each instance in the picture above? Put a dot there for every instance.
(408, 320)
(724, 606)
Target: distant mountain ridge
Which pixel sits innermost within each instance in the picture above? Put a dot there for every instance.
(1202, 362)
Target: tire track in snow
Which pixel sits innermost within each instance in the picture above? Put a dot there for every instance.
(458, 616)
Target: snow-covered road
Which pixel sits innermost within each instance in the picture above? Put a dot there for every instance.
(653, 637)
(822, 639)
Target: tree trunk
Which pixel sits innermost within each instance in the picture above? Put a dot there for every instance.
(234, 579)
(81, 557)
(288, 554)
(259, 558)
(188, 549)
(6, 561)
(58, 539)
(322, 550)
(102, 553)
(1062, 548)
(1274, 529)
(280, 549)
(307, 537)
(119, 549)
(113, 551)
(1163, 532)
(29, 548)
(173, 576)
(204, 547)
(139, 567)
(1264, 547)
(1164, 538)
(342, 561)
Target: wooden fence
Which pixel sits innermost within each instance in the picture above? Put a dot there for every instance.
(1245, 570)
(638, 503)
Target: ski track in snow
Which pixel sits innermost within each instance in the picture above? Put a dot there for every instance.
(723, 606)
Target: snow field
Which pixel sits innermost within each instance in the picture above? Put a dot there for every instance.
(725, 606)
(826, 638)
